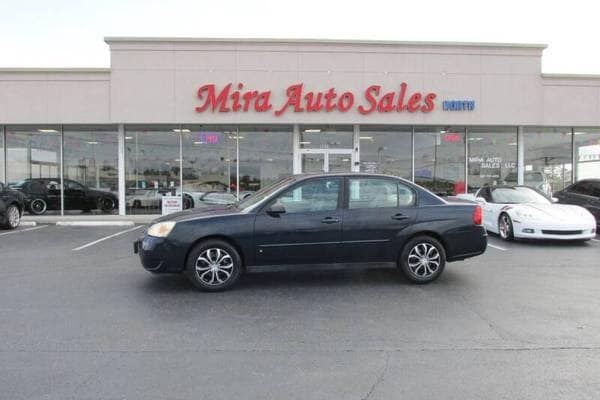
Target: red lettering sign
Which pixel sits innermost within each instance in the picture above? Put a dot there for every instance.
(299, 100)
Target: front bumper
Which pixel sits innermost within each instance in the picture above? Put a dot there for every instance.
(157, 255)
(545, 231)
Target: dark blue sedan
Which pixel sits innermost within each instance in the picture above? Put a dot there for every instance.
(316, 219)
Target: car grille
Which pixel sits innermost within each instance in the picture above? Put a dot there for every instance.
(554, 232)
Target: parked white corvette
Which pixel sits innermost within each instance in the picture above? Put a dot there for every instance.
(524, 213)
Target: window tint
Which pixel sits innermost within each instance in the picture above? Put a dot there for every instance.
(378, 193)
(312, 196)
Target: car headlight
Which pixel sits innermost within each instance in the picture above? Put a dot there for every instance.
(161, 229)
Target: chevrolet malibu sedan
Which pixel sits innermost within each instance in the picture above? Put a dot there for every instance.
(316, 219)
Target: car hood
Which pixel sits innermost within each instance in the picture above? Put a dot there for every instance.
(195, 213)
(557, 212)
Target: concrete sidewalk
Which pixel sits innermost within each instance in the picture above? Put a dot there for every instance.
(89, 220)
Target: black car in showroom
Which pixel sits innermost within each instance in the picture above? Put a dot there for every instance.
(316, 219)
(43, 194)
(12, 204)
(584, 193)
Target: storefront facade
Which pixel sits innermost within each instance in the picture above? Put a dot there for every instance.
(207, 118)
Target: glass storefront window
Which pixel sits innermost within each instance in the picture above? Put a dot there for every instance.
(586, 153)
(547, 159)
(152, 166)
(266, 155)
(209, 164)
(440, 159)
(492, 156)
(386, 150)
(90, 169)
(33, 157)
(326, 137)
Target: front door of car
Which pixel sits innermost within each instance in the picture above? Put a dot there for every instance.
(376, 218)
(302, 225)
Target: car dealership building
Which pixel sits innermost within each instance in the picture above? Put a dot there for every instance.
(232, 115)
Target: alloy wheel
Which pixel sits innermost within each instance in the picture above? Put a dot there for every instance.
(423, 260)
(504, 226)
(214, 266)
(38, 206)
(13, 216)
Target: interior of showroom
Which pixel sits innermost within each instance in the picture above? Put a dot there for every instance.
(241, 159)
(214, 120)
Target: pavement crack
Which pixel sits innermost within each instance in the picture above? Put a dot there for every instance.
(380, 377)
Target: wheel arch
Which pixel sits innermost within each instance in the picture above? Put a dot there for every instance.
(224, 238)
(430, 233)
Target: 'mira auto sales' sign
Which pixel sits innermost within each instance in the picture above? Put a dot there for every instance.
(299, 100)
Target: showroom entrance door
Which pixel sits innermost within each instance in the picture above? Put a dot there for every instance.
(326, 160)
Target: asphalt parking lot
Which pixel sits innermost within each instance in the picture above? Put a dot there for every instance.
(80, 319)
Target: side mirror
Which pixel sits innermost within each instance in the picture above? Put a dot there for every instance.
(276, 210)
(481, 200)
(554, 199)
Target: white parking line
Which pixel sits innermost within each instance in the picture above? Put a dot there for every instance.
(23, 230)
(497, 247)
(107, 237)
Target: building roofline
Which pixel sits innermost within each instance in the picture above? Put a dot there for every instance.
(121, 39)
(55, 69)
(571, 76)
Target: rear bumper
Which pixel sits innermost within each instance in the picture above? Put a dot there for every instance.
(466, 243)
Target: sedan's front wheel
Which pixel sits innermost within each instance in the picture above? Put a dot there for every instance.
(422, 260)
(214, 265)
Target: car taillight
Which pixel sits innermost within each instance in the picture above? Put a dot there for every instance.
(478, 215)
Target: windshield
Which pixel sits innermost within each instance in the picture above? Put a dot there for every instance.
(264, 192)
(517, 195)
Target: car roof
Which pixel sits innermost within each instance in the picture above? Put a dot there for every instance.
(343, 174)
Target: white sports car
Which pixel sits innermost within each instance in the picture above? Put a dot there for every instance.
(524, 213)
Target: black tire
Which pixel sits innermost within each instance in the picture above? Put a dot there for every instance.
(203, 277)
(188, 202)
(37, 206)
(13, 217)
(414, 267)
(505, 227)
(106, 204)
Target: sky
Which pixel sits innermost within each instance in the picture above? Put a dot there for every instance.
(61, 33)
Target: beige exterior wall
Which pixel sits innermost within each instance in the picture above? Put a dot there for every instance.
(156, 81)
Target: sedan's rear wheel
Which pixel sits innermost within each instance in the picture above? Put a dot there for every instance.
(38, 206)
(505, 227)
(214, 265)
(13, 217)
(422, 260)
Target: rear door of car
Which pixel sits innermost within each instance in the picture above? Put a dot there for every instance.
(377, 212)
(309, 231)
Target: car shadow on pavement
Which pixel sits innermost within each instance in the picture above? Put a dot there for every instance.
(294, 277)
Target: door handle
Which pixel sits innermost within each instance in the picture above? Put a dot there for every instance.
(330, 220)
(400, 216)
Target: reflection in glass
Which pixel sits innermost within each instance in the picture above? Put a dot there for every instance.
(386, 150)
(547, 159)
(90, 159)
(440, 159)
(587, 153)
(313, 163)
(326, 137)
(492, 156)
(266, 155)
(152, 166)
(340, 162)
(209, 165)
(33, 152)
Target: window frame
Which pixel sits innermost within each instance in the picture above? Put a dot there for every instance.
(283, 191)
(396, 181)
